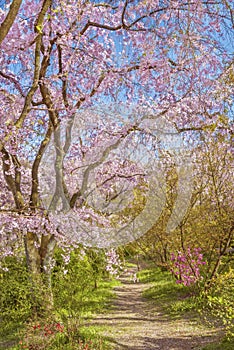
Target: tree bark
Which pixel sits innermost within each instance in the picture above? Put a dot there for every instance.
(9, 20)
(39, 262)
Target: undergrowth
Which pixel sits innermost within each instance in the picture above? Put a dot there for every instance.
(81, 291)
(180, 301)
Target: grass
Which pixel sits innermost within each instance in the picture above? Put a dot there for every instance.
(223, 345)
(9, 333)
(93, 333)
(174, 298)
(76, 335)
(99, 300)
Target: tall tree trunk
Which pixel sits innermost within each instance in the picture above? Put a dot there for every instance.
(39, 262)
(9, 20)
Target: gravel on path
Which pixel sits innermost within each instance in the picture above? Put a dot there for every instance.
(135, 323)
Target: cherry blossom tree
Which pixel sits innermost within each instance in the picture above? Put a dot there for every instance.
(63, 61)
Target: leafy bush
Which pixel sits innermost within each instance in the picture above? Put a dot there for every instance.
(41, 336)
(218, 299)
(75, 280)
(80, 287)
(15, 295)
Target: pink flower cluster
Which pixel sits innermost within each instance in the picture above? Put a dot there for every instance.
(186, 266)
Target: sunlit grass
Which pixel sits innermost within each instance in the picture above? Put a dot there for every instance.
(76, 335)
(224, 345)
(174, 298)
(99, 300)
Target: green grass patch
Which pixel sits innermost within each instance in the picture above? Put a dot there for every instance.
(93, 302)
(93, 333)
(99, 300)
(130, 264)
(226, 344)
(176, 300)
(9, 332)
(173, 298)
(75, 336)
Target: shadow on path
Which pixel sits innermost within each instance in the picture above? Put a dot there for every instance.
(135, 323)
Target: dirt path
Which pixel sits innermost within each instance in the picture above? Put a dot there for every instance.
(134, 323)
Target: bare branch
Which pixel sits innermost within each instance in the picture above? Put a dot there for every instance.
(14, 81)
(13, 183)
(123, 14)
(63, 77)
(9, 20)
(34, 198)
(38, 103)
(92, 166)
(106, 5)
(122, 25)
(38, 29)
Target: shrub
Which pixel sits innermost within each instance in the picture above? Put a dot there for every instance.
(15, 295)
(218, 299)
(185, 266)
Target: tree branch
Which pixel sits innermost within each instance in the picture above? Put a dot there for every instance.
(37, 60)
(63, 77)
(13, 183)
(9, 20)
(34, 197)
(14, 81)
(92, 166)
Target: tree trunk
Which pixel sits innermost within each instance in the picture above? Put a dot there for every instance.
(39, 262)
(9, 20)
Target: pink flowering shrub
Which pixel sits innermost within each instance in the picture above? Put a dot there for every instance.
(186, 266)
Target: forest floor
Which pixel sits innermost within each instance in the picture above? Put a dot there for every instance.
(134, 322)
